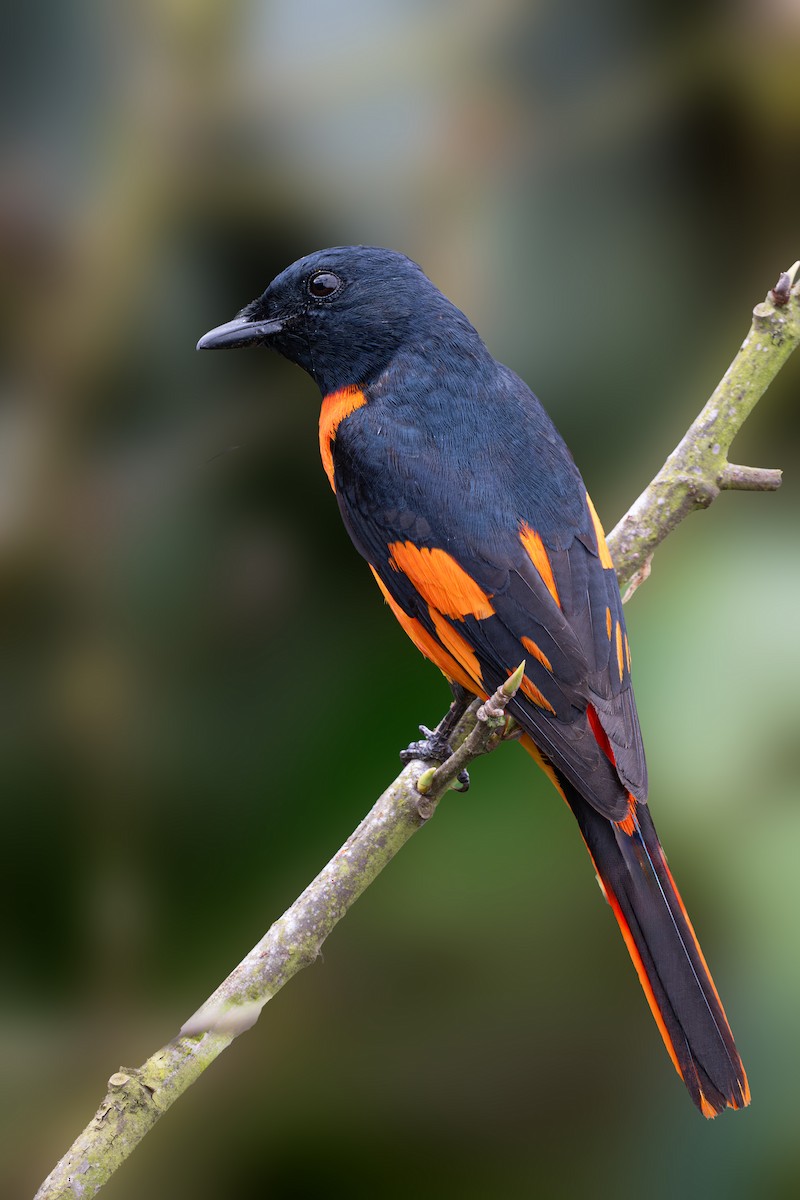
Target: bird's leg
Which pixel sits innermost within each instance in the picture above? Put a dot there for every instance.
(435, 744)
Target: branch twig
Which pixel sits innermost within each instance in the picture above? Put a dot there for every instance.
(691, 478)
(698, 468)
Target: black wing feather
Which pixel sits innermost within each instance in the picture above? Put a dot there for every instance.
(451, 501)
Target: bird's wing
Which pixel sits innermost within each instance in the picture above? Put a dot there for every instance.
(488, 595)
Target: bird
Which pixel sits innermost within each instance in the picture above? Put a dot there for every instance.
(456, 488)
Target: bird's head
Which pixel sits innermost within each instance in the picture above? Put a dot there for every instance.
(341, 313)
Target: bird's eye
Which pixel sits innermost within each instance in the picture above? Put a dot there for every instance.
(324, 283)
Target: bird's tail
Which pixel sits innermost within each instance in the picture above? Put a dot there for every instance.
(638, 884)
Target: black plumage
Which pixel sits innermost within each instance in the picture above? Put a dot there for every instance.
(457, 489)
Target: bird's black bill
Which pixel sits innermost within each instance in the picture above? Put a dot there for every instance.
(239, 332)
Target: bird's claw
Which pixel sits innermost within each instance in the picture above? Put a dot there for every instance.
(433, 747)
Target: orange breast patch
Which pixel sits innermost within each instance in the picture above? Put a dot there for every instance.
(335, 407)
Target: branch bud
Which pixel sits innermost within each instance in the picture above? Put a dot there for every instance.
(512, 684)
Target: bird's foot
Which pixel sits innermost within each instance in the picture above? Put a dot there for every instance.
(433, 747)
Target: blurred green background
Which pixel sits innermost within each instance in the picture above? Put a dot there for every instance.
(201, 690)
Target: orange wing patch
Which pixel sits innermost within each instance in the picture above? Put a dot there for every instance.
(529, 689)
(620, 653)
(537, 653)
(441, 582)
(335, 407)
(427, 644)
(535, 549)
(602, 548)
(458, 646)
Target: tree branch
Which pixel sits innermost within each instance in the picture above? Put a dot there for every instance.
(698, 468)
(691, 478)
(137, 1097)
